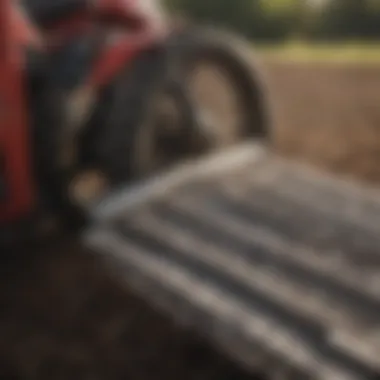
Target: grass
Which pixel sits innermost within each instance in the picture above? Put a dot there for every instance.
(329, 53)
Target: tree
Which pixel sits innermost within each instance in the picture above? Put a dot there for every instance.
(280, 19)
(348, 19)
(250, 17)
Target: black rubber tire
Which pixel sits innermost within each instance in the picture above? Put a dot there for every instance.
(235, 55)
(112, 145)
(122, 142)
(123, 147)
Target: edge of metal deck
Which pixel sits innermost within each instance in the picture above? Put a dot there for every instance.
(250, 153)
(136, 194)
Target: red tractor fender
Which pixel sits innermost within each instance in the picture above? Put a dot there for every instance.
(123, 47)
(24, 33)
(15, 166)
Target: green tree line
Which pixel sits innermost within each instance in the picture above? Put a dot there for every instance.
(283, 19)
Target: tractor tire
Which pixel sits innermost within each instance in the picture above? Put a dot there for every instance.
(124, 144)
(234, 56)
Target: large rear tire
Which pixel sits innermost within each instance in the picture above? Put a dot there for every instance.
(133, 146)
(112, 152)
(233, 57)
(129, 145)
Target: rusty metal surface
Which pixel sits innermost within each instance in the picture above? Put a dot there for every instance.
(278, 265)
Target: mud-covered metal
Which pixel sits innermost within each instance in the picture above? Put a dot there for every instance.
(276, 264)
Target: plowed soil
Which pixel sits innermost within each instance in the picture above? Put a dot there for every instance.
(63, 317)
(328, 115)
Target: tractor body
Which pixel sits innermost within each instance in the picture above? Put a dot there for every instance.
(18, 192)
(38, 42)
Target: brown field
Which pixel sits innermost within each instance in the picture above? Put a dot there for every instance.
(328, 115)
(62, 317)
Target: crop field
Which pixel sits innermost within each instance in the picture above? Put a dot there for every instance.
(62, 317)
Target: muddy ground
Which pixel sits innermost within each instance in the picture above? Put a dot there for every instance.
(63, 317)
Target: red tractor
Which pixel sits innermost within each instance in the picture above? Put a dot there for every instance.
(98, 93)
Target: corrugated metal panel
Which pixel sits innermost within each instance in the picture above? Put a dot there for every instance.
(277, 264)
